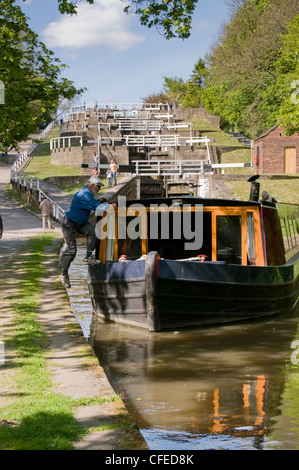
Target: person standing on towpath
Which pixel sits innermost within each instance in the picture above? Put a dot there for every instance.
(76, 221)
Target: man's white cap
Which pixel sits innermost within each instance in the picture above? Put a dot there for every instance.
(95, 180)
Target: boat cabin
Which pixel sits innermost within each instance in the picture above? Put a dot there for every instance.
(230, 232)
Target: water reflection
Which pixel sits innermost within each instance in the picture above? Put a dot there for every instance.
(204, 388)
(78, 294)
(229, 387)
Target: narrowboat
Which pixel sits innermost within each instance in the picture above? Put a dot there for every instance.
(168, 263)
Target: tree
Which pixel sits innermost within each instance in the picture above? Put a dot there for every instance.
(171, 17)
(31, 77)
(174, 88)
(155, 98)
(245, 84)
(192, 96)
(288, 66)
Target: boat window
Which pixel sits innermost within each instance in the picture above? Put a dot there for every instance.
(173, 240)
(251, 248)
(229, 231)
(131, 245)
(110, 236)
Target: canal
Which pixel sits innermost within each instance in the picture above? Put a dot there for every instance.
(231, 387)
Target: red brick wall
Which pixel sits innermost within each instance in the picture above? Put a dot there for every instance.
(272, 149)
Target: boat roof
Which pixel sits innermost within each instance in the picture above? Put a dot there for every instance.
(169, 201)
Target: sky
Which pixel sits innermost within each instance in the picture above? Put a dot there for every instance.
(112, 55)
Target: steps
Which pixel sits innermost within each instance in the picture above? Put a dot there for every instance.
(241, 138)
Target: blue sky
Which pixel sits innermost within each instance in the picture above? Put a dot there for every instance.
(112, 55)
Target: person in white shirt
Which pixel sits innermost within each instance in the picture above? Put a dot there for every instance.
(95, 159)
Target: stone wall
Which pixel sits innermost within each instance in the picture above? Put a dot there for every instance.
(188, 152)
(67, 156)
(128, 186)
(28, 195)
(197, 113)
(57, 180)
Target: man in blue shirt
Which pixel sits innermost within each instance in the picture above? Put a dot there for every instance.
(76, 221)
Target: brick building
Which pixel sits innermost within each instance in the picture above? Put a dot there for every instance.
(275, 152)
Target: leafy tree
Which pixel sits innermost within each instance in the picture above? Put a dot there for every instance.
(171, 17)
(288, 67)
(31, 77)
(155, 98)
(174, 88)
(192, 96)
(245, 84)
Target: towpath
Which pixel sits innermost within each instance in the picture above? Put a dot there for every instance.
(69, 375)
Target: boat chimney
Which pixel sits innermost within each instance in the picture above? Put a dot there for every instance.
(254, 188)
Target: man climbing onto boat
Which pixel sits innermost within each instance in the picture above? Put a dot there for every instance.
(76, 221)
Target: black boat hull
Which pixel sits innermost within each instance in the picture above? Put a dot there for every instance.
(167, 294)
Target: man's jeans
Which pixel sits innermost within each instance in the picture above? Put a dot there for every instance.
(69, 249)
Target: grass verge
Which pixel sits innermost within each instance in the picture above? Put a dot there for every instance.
(41, 166)
(41, 419)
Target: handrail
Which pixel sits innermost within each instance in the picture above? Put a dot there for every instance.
(172, 140)
(26, 154)
(57, 211)
(32, 182)
(180, 167)
(170, 167)
(120, 107)
(75, 116)
(132, 106)
(162, 140)
(59, 142)
(25, 180)
(141, 125)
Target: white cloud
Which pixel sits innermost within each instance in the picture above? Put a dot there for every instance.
(102, 24)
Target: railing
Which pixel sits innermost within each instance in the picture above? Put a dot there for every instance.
(71, 127)
(171, 167)
(75, 116)
(32, 182)
(135, 114)
(79, 109)
(132, 106)
(163, 140)
(57, 143)
(142, 125)
(22, 159)
(119, 107)
(131, 114)
(180, 167)
(27, 181)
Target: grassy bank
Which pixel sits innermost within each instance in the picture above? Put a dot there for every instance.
(32, 415)
(282, 189)
(235, 153)
(41, 166)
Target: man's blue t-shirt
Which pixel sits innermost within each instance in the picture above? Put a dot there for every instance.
(82, 204)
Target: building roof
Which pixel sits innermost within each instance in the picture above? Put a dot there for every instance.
(266, 133)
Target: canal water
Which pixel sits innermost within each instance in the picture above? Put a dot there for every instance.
(232, 387)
